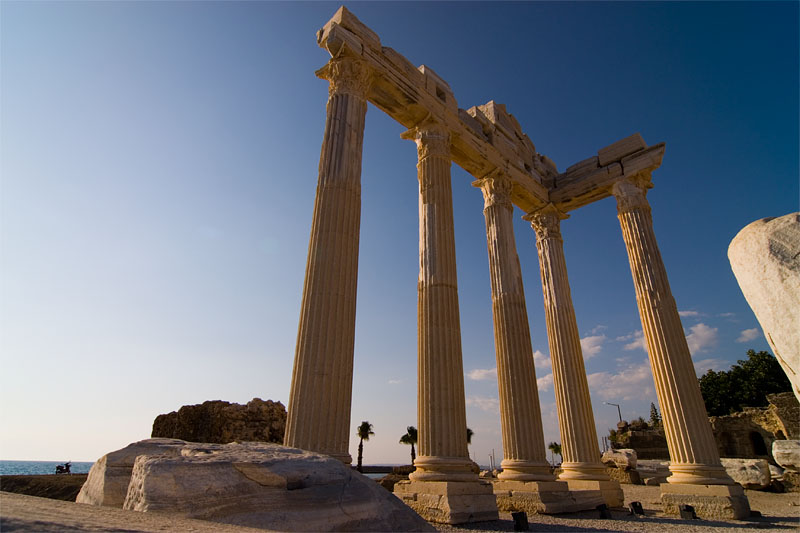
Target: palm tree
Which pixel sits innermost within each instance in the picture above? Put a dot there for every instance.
(363, 432)
(555, 448)
(410, 438)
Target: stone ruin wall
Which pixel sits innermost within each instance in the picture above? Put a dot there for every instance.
(737, 435)
(223, 422)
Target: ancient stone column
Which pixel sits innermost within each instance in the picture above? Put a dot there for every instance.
(441, 410)
(443, 488)
(322, 379)
(579, 447)
(581, 466)
(524, 454)
(694, 454)
(698, 477)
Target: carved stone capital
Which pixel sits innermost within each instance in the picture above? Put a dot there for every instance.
(496, 189)
(631, 195)
(546, 222)
(432, 139)
(347, 75)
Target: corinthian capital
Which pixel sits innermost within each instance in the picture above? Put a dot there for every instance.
(347, 75)
(546, 222)
(630, 196)
(432, 139)
(496, 189)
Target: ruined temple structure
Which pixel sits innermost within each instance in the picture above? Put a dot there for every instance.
(489, 144)
(749, 434)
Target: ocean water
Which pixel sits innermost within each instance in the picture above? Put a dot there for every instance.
(9, 468)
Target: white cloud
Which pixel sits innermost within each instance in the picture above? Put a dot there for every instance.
(701, 367)
(484, 403)
(592, 345)
(480, 374)
(688, 313)
(597, 329)
(637, 341)
(395, 381)
(541, 360)
(727, 315)
(545, 382)
(701, 338)
(633, 382)
(748, 335)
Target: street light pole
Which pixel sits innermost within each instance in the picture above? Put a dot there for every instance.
(619, 412)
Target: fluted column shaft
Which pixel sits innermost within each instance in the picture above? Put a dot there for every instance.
(580, 452)
(441, 410)
(524, 455)
(693, 452)
(322, 379)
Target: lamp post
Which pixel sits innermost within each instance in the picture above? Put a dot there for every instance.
(618, 410)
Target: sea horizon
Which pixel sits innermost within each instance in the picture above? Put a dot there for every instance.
(12, 467)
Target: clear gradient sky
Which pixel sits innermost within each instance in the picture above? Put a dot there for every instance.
(159, 163)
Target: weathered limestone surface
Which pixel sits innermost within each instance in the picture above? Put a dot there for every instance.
(224, 422)
(787, 454)
(749, 473)
(765, 258)
(623, 458)
(653, 472)
(624, 476)
(620, 149)
(525, 457)
(576, 420)
(267, 486)
(322, 379)
(709, 501)
(693, 452)
(449, 502)
(110, 475)
(545, 497)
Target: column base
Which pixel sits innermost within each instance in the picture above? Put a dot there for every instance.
(436, 468)
(709, 501)
(583, 472)
(544, 497)
(698, 474)
(449, 502)
(346, 458)
(610, 490)
(518, 470)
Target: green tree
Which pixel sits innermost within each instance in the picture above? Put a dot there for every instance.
(746, 384)
(655, 416)
(410, 438)
(363, 432)
(555, 448)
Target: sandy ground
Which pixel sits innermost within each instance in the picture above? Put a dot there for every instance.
(781, 512)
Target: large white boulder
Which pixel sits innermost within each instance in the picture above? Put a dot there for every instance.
(765, 258)
(749, 473)
(107, 483)
(787, 454)
(623, 458)
(266, 486)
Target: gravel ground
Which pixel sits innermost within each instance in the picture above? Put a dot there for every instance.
(781, 512)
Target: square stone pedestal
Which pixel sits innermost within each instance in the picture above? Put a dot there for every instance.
(449, 502)
(545, 497)
(709, 501)
(610, 490)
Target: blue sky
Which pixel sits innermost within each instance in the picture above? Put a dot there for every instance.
(158, 166)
